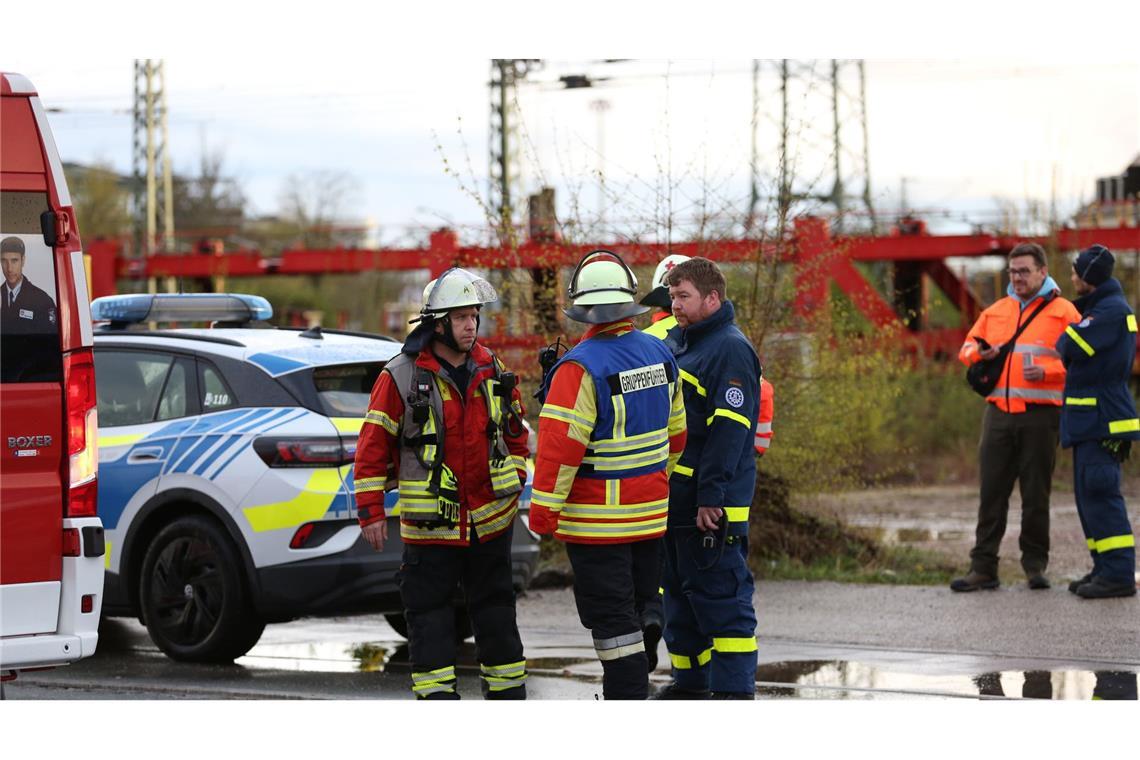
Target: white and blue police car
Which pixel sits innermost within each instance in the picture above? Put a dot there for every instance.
(225, 462)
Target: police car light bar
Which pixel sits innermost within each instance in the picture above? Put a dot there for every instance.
(180, 307)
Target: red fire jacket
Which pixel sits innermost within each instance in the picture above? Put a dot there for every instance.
(465, 451)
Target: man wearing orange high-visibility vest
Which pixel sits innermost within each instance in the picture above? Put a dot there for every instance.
(611, 428)
(1022, 418)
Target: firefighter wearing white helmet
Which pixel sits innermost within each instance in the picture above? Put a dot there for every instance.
(611, 428)
(454, 289)
(662, 320)
(458, 492)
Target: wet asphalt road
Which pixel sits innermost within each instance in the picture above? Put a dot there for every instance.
(817, 641)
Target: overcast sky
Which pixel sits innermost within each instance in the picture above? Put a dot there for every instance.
(963, 130)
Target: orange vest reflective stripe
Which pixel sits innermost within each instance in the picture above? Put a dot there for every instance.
(764, 419)
(1035, 346)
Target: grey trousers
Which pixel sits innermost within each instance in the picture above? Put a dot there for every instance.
(1023, 448)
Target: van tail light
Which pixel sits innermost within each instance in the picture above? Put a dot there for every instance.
(304, 452)
(82, 433)
(72, 546)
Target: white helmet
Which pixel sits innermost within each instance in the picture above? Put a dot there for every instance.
(456, 289)
(659, 295)
(665, 267)
(602, 289)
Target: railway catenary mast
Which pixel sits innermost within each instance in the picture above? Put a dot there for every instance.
(152, 181)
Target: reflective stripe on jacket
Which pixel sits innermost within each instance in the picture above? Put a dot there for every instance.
(660, 326)
(1098, 353)
(612, 424)
(483, 475)
(997, 324)
(764, 422)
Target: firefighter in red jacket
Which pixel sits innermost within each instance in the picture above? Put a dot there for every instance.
(611, 427)
(445, 424)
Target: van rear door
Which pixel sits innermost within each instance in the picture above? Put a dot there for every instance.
(51, 541)
(31, 366)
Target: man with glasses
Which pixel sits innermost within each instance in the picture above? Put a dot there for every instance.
(1020, 425)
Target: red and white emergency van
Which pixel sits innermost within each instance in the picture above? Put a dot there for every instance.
(51, 539)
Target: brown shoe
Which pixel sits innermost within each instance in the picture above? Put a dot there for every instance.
(974, 581)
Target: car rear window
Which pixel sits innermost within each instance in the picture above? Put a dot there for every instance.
(344, 389)
(29, 323)
(128, 386)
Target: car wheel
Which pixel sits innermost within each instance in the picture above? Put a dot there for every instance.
(463, 630)
(193, 594)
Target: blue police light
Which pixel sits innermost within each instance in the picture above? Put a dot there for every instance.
(181, 307)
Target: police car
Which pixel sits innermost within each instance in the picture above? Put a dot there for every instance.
(226, 457)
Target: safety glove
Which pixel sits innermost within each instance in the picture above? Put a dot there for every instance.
(1119, 448)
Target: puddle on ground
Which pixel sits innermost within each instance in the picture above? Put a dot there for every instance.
(329, 657)
(845, 679)
(375, 656)
(795, 679)
(902, 534)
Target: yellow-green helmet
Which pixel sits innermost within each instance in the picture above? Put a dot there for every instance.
(602, 289)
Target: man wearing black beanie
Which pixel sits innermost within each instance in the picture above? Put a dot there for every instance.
(1099, 421)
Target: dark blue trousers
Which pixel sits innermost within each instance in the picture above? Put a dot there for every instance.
(710, 623)
(1096, 480)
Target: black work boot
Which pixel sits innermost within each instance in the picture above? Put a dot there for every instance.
(732, 695)
(439, 695)
(1037, 581)
(974, 581)
(673, 691)
(1074, 585)
(1099, 588)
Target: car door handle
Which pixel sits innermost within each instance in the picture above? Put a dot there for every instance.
(140, 456)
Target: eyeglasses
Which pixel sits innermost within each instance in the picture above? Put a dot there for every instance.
(1020, 272)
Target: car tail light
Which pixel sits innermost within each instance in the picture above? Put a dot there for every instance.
(303, 452)
(301, 536)
(82, 433)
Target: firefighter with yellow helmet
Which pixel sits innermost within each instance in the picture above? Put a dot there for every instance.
(612, 426)
(444, 424)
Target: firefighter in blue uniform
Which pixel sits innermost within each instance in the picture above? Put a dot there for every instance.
(710, 623)
(1098, 419)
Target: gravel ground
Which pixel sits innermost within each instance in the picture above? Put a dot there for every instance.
(1009, 622)
(943, 518)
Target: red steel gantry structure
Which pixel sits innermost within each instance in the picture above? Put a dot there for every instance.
(818, 257)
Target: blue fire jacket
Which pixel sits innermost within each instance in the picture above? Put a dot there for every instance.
(1097, 353)
(720, 373)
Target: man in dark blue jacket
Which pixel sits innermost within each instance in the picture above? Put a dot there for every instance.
(710, 623)
(1098, 419)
